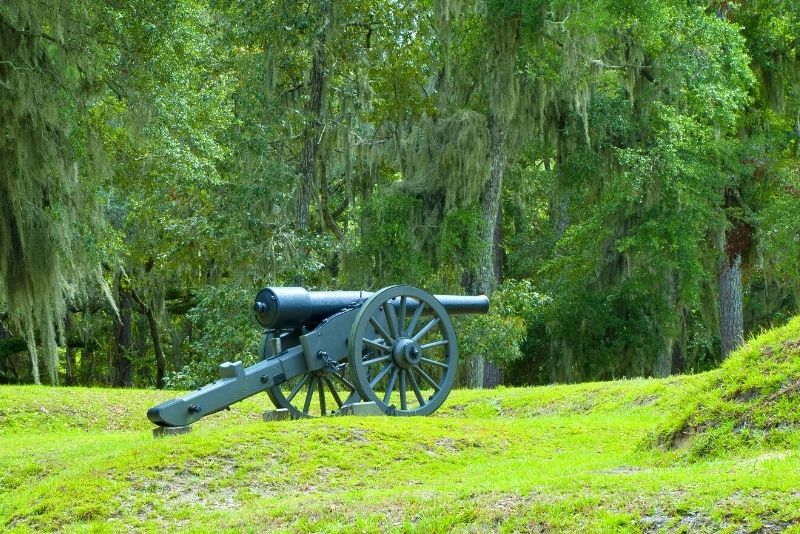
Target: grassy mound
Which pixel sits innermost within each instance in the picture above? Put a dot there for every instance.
(555, 459)
(45, 409)
(752, 401)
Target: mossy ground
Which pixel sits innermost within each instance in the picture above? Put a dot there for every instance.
(591, 457)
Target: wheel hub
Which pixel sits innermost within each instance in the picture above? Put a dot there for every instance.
(406, 352)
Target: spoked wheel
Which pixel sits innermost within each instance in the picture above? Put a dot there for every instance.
(403, 352)
(314, 394)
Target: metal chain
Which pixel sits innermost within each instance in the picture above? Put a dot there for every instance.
(332, 365)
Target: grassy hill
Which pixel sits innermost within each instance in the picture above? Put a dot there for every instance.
(712, 452)
(752, 401)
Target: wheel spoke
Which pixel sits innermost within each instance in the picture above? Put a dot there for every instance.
(309, 394)
(403, 403)
(344, 381)
(375, 345)
(415, 386)
(321, 391)
(333, 391)
(425, 329)
(414, 318)
(380, 375)
(428, 379)
(434, 362)
(391, 319)
(379, 359)
(439, 343)
(380, 329)
(297, 388)
(390, 386)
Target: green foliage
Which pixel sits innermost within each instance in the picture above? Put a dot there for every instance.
(459, 247)
(632, 137)
(780, 221)
(642, 179)
(43, 209)
(510, 330)
(224, 332)
(162, 139)
(387, 249)
(496, 336)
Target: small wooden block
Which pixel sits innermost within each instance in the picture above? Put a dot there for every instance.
(164, 431)
(361, 408)
(281, 414)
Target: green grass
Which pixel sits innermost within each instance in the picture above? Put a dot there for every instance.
(673, 455)
(752, 401)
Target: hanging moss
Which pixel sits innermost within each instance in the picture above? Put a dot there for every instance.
(39, 191)
(448, 156)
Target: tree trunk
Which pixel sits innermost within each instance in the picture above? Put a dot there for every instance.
(140, 344)
(731, 329)
(486, 277)
(738, 241)
(680, 348)
(327, 217)
(69, 379)
(476, 369)
(559, 201)
(663, 364)
(88, 364)
(155, 336)
(122, 372)
(502, 94)
(178, 337)
(311, 134)
(562, 363)
(492, 375)
(559, 213)
(161, 363)
(10, 345)
(498, 252)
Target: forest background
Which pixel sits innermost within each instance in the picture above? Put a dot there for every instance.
(621, 176)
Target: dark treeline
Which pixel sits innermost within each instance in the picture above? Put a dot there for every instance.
(621, 176)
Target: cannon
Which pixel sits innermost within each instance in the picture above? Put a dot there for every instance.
(323, 350)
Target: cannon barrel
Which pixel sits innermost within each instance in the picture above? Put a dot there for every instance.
(292, 307)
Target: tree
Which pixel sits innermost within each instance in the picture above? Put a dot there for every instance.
(45, 205)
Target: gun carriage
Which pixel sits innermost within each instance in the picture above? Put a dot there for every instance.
(323, 350)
